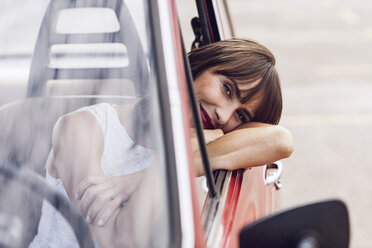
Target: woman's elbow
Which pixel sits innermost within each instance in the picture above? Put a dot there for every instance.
(285, 142)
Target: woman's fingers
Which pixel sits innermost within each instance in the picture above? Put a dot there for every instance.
(90, 195)
(104, 205)
(100, 202)
(88, 182)
(212, 134)
(106, 212)
(100, 197)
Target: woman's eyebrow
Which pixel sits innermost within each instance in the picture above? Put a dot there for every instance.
(234, 84)
(236, 88)
(238, 94)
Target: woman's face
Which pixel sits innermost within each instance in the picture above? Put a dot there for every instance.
(218, 99)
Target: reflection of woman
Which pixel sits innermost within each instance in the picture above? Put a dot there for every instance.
(238, 91)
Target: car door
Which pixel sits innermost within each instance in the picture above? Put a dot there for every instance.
(238, 197)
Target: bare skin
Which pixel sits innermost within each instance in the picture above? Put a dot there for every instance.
(233, 142)
(101, 195)
(79, 163)
(252, 144)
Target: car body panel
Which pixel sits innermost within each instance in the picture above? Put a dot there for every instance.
(254, 202)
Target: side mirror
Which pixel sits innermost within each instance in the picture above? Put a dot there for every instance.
(318, 225)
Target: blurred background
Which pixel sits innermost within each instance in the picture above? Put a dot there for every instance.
(324, 58)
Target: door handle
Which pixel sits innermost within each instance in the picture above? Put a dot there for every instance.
(273, 177)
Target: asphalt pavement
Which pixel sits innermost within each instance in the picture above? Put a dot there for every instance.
(324, 57)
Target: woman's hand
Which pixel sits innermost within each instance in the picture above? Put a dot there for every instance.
(211, 135)
(101, 196)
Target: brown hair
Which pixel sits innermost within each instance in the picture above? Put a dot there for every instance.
(244, 61)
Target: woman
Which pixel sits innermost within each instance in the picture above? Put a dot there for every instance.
(238, 88)
(238, 91)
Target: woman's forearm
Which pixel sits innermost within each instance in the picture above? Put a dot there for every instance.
(139, 219)
(251, 145)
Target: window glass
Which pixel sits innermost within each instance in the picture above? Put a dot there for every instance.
(20, 22)
(187, 10)
(223, 18)
(78, 105)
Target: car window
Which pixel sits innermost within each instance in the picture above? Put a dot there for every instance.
(224, 20)
(187, 10)
(213, 185)
(83, 75)
(18, 38)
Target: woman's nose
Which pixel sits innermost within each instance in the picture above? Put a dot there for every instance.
(223, 115)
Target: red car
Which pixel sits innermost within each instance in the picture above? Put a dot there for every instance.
(112, 51)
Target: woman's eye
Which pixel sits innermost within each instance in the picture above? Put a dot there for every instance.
(227, 89)
(241, 116)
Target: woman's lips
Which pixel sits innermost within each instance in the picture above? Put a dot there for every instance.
(206, 120)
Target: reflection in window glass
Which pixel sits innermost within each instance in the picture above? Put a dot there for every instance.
(93, 132)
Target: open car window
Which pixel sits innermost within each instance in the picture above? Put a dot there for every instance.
(209, 22)
(105, 70)
(191, 31)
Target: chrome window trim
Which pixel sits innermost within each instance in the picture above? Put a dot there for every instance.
(178, 128)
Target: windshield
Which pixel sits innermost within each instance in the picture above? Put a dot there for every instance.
(79, 107)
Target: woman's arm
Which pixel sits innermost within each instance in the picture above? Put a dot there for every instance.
(78, 147)
(101, 196)
(252, 144)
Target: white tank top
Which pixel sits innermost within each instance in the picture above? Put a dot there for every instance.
(119, 157)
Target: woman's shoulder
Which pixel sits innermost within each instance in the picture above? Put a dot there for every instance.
(124, 111)
(88, 122)
(76, 127)
(87, 117)
(76, 136)
(76, 120)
